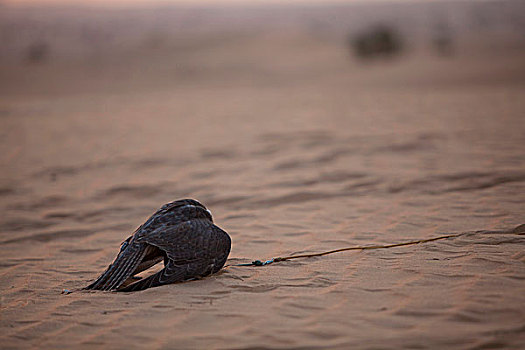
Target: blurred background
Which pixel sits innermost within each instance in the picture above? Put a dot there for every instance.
(303, 126)
(232, 62)
(122, 45)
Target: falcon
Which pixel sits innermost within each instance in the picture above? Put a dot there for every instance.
(181, 234)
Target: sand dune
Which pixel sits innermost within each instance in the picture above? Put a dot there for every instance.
(299, 150)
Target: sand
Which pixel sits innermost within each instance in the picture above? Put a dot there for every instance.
(295, 148)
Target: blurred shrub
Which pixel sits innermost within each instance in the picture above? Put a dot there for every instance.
(379, 41)
(37, 53)
(442, 40)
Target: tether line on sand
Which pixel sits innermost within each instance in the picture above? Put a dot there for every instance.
(518, 230)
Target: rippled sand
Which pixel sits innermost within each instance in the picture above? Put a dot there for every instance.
(297, 158)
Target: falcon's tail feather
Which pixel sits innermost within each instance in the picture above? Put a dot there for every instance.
(121, 269)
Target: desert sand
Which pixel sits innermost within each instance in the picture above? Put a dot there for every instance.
(296, 147)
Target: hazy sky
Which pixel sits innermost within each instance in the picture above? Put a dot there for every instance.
(149, 2)
(155, 1)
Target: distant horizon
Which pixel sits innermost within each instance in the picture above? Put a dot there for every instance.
(105, 3)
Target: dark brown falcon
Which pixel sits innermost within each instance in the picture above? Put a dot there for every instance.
(182, 234)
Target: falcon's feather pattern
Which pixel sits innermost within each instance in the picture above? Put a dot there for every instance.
(182, 234)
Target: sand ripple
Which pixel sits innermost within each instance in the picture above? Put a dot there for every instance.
(287, 166)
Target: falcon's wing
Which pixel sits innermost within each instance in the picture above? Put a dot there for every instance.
(124, 266)
(195, 249)
(171, 273)
(191, 240)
